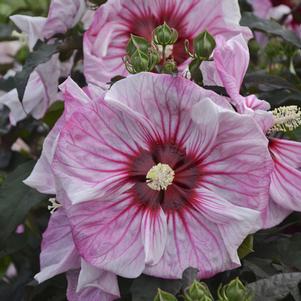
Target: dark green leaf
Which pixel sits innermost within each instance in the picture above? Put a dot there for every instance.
(5, 32)
(41, 54)
(146, 287)
(16, 199)
(270, 27)
(276, 287)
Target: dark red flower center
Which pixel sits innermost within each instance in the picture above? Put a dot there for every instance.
(144, 25)
(186, 176)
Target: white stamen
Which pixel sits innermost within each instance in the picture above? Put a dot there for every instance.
(54, 205)
(286, 119)
(159, 177)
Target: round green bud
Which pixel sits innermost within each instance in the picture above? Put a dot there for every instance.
(198, 291)
(203, 45)
(234, 291)
(137, 43)
(164, 35)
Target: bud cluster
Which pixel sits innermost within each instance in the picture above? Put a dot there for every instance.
(143, 55)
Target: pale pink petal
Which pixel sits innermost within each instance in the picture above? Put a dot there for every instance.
(256, 104)
(91, 276)
(32, 26)
(231, 61)
(87, 294)
(74, 97)
(107, 234)
(239, 168)
(11, 100)
(261, 8)
(234, 222)
(210, 74)
(285, 185)
(95, 147)
(41, 90)
(192, 241)
(58, 251)
(278, 12)
(273, 215)
(42, 177)
(8, 50)
(178, 109)
(287, 150)
(154, 235)
(63, 15)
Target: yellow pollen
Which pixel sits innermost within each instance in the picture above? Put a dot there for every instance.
(160, 176)
(287, 119)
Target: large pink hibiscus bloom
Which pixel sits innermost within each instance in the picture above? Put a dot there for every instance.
(106, 40)
(162, 175)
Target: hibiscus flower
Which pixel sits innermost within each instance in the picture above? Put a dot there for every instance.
(106, 41)
(285, 178)
(162, 175)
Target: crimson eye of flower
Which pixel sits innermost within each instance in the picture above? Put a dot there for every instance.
(164, 176)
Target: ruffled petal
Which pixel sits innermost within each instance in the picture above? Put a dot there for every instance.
(232, 61)
(154, 235)
(32, 26)
(239, 165)
(90, 276)
(234, 222)
(11, 100)
(107, 234)
(193, 241)
(42, 177)
(94, 150)
(87, 294)
(63, 15)
(285, 186)
(58, 251)
(287, 151)
(179, 110)
(273, 215)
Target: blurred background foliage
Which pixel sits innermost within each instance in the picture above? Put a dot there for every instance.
(271, 259)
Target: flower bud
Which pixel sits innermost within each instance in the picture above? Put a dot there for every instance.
(170, 67)
(137, 43)
(234, 291)
(204, 45)
(139, 61)
(164, 296)
(198, 291)
(164, 35)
